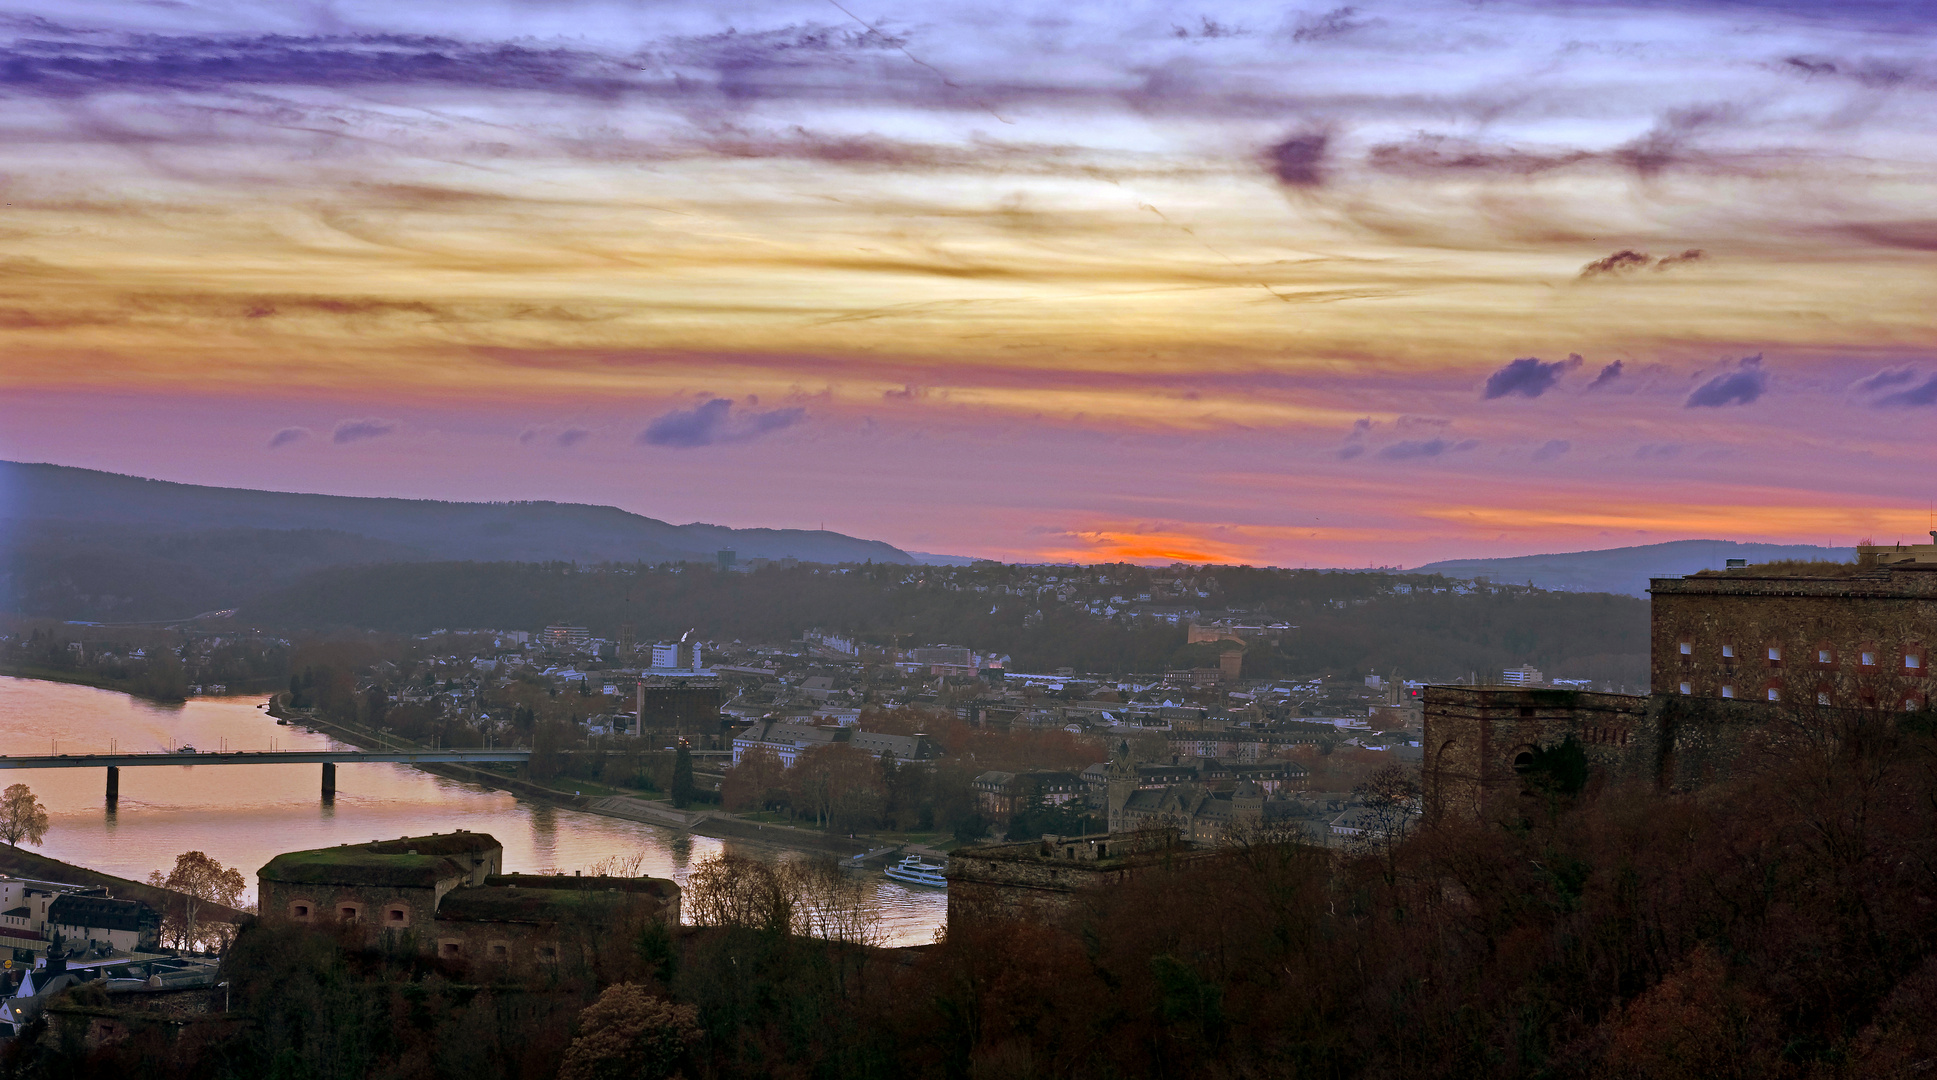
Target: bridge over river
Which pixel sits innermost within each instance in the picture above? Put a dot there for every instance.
(327, 758)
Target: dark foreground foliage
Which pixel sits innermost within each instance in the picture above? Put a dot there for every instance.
(1779, 925)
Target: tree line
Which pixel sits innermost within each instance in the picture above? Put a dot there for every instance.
(1346, 623)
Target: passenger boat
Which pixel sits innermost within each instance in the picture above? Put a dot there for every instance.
(913, 871)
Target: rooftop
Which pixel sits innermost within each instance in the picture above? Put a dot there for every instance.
(539, 900)
(419, 861)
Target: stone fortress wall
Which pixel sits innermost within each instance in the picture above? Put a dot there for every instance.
(1738, 659)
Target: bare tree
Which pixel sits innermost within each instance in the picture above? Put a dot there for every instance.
(734, 890)
(809, 897)
(22, 817)
(197, 879)
(829, 903)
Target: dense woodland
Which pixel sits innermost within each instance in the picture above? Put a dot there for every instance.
(1422, 626)
(1782, 924)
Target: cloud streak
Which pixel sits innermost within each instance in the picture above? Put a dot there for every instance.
(713, 422)
(351, 431)
(1527, 377)
(1415, 449)
(1915, 397)
(1743, 386)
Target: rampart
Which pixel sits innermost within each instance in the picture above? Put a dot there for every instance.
(1042, 880)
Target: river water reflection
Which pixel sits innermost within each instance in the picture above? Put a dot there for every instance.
(244, 815)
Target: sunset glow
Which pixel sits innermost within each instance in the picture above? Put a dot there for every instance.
(1025, 282)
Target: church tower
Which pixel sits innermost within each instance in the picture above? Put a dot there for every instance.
(1122, 784)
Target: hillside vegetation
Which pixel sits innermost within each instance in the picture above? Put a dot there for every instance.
(1420, 625)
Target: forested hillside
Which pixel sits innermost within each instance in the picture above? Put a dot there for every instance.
(82, 544)
(1044, 618)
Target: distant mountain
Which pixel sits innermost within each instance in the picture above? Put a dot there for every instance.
(1627, 570)
(77, 543)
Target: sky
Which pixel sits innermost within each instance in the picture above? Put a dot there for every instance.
(1325, 285)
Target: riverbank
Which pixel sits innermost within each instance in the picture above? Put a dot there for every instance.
(717, 824)
(19, 863)
(85, 678)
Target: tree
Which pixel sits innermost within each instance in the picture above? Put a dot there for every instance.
(22, 817)
(839, 785)
(738, 891)
(628, 1034)
(758, 780)
(683, 775)
(197, 879)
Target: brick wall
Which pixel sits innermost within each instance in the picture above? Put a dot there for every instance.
(1478, 737)
(375, 906)
(1819, 630)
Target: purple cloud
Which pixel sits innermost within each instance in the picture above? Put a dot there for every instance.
(1918, 396)
(288, 435)
(1528, 377)
(1552, 449)
(571, 437)
(1299, 161)
(1739, 387)
(350, 431)
(713, 422)
(1413, 449)
(1608, 375)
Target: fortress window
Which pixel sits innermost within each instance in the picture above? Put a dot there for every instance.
(1822, 697)
(1912, 661)
(1775, 694)
(1822, 656)
(1687, 648)
(1775, 654)
(450, 948)
(1728, 652)
(1909, 704)
(397, 915)
(348, 913)
(1869, 659)
(1686, 688)
(1523, 761)
(1728, 691)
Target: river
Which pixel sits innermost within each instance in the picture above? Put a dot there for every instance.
(244, 815)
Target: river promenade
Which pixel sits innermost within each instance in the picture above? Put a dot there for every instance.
(243, 815)
(714, 823)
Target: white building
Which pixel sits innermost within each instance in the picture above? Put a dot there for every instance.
(1525, 675)
(33, 912)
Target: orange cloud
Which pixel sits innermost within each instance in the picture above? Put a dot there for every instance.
(1143, 547)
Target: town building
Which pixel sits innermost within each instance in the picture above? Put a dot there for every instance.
(445, 895)
(1199, 813)
(87, 918)
(1524, 675)
(1002, 794)
(1273, 777)
(1240, 744)
(788, 741)
(564, 635)
(678, 656)
(676, 706)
